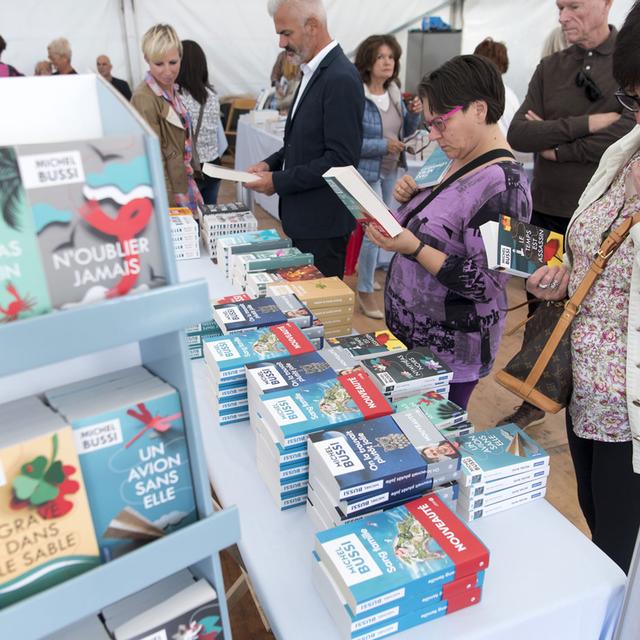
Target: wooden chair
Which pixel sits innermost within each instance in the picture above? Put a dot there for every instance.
(237, 106)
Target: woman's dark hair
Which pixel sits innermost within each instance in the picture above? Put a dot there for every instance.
(626, 52)
(368, 51)
(461, 81)
(194, 73)
(495, 51)
(3, 45)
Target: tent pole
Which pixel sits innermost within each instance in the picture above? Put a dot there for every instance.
(628, 627)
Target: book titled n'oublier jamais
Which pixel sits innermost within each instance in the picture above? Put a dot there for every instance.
(403, 552)
(520, 248)
(362, 201)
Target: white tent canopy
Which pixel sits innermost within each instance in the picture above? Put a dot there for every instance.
(238, 35)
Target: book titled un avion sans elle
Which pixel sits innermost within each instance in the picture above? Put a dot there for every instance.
(362, 201)
(519, 248)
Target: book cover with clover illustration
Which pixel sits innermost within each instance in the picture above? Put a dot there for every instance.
(133, 452)
(93, 209)
(316, 293)
(23, 285)
(46, 532)
(417, 547)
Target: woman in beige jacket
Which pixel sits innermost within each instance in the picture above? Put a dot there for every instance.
(157, 99)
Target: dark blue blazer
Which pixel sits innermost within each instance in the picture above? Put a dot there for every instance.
(325, 132)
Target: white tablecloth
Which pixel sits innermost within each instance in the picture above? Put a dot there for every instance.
(546, 580)
(253, 144)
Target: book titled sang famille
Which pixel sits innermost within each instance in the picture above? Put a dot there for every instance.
(406, 551)
(92, 205)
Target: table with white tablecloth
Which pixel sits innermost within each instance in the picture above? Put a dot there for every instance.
(545, 579)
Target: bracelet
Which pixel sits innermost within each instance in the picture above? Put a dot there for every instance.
(414, 256)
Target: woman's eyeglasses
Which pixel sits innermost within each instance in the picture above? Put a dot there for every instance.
(632, 103)
(440, 122)
(591, 89)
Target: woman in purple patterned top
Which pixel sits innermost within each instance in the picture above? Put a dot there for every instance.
(440, 292)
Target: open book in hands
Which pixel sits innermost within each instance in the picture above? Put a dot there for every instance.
(519, 248)
(216, 171)
(362, 201)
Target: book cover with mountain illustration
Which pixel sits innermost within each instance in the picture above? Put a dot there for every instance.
(23, 285)
(46, 533)
(93, 209)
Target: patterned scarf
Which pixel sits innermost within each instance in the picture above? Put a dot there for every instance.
(192, 198)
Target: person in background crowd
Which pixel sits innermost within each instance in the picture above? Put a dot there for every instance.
(203, 105)
(157, 100)
(440, 293)
(6, 70)
(603, 417)
(386, 121)
(104, 66)
(59, 52)
(554, 42)
(323, 130)
(497, 53)
(43, 68)
(568, 118)
(285, 79)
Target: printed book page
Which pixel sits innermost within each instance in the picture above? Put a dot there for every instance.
(216, 171)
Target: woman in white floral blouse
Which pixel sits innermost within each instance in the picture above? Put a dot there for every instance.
(603, 418)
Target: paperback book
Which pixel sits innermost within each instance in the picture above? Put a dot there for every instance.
(468, 503)
(368, 345)
(417, 547)
(435, 167)
(92, 206)
(503, 505)
(361, 200)
(480, 488)
(236, 317)
(317, 293)
(441, 412)
(520, 248)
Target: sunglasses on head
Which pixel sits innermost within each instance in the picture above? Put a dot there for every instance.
(628, 101)
(591, 89)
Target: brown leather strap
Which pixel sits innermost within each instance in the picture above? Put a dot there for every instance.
(610, 245)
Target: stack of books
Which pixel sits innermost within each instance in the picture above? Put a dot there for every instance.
(45, 519)
(270, 259)
(398, 569)
(358, 469)
(501, 468)
(363, 346)
(184, 234)
(217, 220)
(227, 357)
(257, 282)
(450, 419)
(330, 300)
(246, 242)
(402, 374)
(284, 469)
(131, 439)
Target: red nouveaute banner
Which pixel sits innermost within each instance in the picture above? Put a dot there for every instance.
(365, 394)
(465, 600)
(456, 588)
(467, 553)
(292, 338)
(239, 297)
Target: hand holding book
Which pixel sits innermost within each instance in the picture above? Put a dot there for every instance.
(549, 283)
(405, 189)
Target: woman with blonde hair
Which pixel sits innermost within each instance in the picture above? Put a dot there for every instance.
(158, 101)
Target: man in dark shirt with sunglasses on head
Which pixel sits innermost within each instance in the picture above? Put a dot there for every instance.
(568, 119)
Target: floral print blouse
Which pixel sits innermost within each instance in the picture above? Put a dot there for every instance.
(599, 332)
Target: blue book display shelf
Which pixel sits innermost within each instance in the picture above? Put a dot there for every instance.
(147, 327)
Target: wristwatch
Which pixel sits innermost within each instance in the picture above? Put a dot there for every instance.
(414, 256)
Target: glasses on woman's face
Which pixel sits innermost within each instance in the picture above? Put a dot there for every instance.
(632, 103)
(440, 122)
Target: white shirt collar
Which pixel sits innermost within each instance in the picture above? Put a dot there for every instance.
(311, 66)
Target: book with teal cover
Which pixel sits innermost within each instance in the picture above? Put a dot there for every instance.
(498, 452)
(135, 461)
(418, 547)
(434, 168)
(23, 284)
(441, 412)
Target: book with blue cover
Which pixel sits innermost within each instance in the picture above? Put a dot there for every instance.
(234, 317)
(416, 369)
(417, 547)
(135, 461)
(227, 356)
(363, 458)
(498, 452)
(435, 167)
(315, 407)
(442, 412)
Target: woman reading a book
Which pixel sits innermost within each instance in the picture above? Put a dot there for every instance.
(439, 292)
(157, 100)
(386, 120)
(603, 417)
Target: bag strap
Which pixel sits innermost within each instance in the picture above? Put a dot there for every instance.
(610, 245)
(494, 154)
(199, 124)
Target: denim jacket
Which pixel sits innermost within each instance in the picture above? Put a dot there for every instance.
(374, 145)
